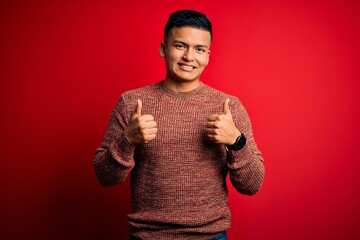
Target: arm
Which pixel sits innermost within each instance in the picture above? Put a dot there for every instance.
(114, 159)
(246, 166)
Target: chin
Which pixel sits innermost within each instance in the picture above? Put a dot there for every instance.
(187, 78)
(180, 79)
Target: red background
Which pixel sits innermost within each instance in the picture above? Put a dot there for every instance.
(294, 65)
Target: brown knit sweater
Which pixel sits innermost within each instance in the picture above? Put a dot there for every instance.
(178, 185)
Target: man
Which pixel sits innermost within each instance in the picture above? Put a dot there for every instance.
(180, 138)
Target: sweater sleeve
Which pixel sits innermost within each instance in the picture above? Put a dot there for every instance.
(114, 159)
(246, 166)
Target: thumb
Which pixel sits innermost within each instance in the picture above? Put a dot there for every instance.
(227, 107)
(138, 107)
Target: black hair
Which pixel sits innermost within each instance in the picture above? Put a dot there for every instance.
(187, 18)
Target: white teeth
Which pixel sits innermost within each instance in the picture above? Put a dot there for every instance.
(187, 67)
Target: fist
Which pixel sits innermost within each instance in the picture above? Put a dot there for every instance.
(142, 128)
(220, 128)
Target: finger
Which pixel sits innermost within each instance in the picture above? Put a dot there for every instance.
(138, 107)
(227, 107)
(151, 131)
(211, 137)
(149, 137)
(147, 118)
(148, 125)
(211, 125)
(213, 118)
(210, 131)
(148, 132)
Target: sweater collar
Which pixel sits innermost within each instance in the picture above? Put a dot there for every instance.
(180, 94)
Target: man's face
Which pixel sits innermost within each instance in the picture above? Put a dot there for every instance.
(186, 52)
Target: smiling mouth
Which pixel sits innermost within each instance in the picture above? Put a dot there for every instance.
(186, 67)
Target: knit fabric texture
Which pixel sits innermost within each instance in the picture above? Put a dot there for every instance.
(178, 180)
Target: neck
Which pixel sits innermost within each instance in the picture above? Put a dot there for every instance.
(181, 86)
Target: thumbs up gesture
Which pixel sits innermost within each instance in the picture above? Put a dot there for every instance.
(220, 128)
(142, 128)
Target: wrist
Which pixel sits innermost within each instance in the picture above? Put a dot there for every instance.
(124, 145)
(127, 138)
(234, 137)
(239, 143)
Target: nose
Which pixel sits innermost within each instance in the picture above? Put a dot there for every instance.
(189, 55)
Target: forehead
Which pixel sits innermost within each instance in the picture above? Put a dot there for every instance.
(190, 35)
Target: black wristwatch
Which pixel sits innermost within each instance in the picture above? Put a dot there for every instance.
(239, 143)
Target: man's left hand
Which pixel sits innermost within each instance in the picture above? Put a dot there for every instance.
(220, 128)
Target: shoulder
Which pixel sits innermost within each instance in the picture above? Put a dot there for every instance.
(139, 93)
(216, 94)
(128, 100)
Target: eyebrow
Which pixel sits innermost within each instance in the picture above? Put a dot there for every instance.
(199, 45)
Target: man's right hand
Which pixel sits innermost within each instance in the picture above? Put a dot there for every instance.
(142, 128)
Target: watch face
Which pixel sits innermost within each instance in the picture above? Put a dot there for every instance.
(239, 144)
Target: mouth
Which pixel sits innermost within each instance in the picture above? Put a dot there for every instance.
(186, 67)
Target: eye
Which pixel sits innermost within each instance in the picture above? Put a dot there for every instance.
(179, 46)
(201, 50)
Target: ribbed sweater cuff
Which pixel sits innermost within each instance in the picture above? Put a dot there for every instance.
(122, 149)
(236, 158)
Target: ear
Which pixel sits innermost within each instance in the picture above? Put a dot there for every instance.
(208, 57)
(162, 49)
